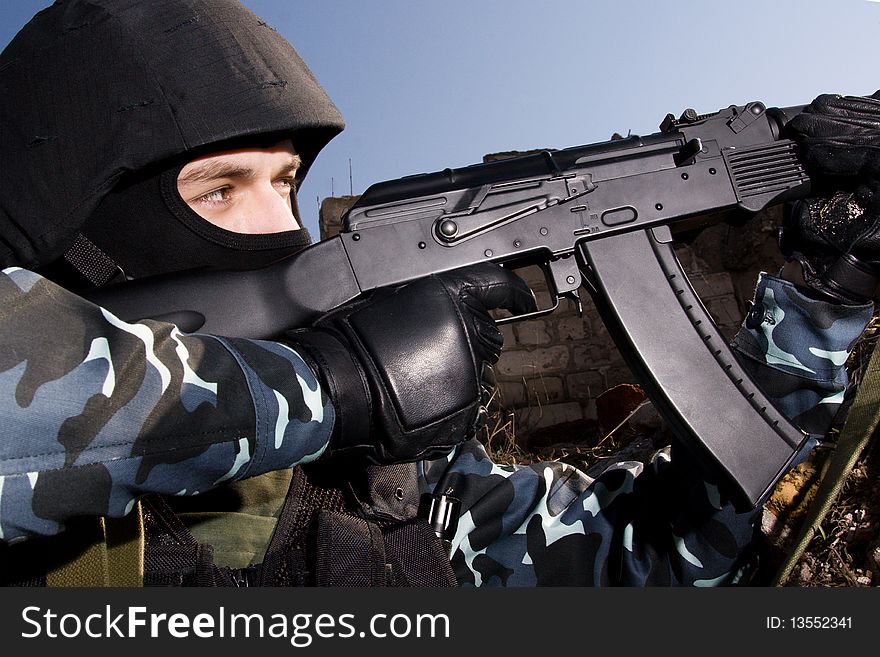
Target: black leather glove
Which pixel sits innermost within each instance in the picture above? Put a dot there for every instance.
(409, 369)
(835, 236)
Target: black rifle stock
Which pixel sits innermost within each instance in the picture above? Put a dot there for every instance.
(598, 216)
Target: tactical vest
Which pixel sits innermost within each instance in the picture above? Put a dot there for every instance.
(337, 527)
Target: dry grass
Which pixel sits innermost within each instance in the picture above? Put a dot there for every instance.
(580, 444)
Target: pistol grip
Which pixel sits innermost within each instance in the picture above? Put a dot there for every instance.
(672, 344)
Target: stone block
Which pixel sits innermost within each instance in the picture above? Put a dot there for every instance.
(725, 311)
(594, 355)
(573, 328)
(507, 332)
(532, 333)
(708, 286)
(585, 385)
(545, 390)
(330, 215)
(618, 374)
(534, 277)
(533, 362)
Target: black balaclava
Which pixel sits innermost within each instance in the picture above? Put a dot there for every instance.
(143, 228)
(102, 101)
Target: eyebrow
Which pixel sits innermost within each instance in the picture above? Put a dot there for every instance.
(209, 171)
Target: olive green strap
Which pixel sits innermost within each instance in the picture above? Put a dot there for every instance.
(125, 549)
(85, 560)
(102, 552)
(860, 424)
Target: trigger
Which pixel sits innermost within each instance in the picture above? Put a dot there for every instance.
(574, 295)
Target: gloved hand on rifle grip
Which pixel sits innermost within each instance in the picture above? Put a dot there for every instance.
(409, 369)
(835, 236)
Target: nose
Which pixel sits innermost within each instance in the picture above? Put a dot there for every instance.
(270, 212)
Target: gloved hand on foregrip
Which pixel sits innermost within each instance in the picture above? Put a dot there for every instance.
(409, 369)
(835, 236)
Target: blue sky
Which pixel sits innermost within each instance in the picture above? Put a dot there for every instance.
(426, 85)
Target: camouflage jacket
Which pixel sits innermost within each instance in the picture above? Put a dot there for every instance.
(97, 412)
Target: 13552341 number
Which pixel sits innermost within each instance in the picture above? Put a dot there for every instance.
(820, 622)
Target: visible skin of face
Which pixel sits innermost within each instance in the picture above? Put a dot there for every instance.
(244, 190)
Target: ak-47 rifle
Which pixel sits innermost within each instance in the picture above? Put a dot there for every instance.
(598, 216)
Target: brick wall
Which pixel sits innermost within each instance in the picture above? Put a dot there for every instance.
(552, 369)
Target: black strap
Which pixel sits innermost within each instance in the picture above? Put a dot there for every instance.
(172, 555)
(417, 557)
(852, 279)
(89, 260)
(349, 551)
(313, 488)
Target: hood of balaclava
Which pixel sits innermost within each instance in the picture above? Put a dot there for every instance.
(101, 101)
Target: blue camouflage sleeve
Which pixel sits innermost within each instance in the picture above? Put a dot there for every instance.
(659, 523)
(97, 412)
(796, 349)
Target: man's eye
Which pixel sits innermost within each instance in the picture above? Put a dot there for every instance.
(216, 197)
(285, 184)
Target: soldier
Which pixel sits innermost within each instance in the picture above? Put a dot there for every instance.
(139, 139)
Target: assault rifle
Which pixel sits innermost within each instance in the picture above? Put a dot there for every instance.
(598, 216)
